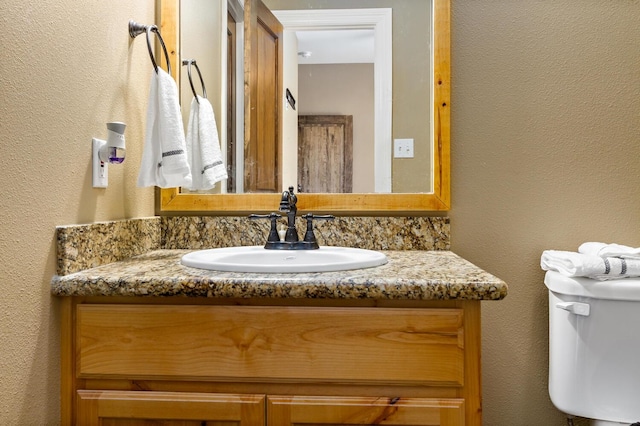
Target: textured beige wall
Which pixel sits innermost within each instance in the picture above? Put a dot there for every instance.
(67, 68)
(545, 154)
(545, 104)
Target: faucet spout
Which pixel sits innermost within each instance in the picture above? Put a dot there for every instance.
(288, 205)
(288, 201)
(291, 239)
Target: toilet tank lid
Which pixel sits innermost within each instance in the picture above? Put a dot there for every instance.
(622, 289)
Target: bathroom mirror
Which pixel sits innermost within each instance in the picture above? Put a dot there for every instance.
(437, 198)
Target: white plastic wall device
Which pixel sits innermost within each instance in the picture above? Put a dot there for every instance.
(110, 151)
(100, 169)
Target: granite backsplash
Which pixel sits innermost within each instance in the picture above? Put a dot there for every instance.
(81, 247)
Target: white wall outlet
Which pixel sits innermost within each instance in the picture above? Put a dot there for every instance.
(403, 148)
(100, 170)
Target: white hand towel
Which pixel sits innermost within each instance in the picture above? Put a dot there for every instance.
(164, 159)
(609, 250)
(203, 146)
(573, 264)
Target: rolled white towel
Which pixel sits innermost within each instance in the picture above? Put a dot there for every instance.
(573, 264)
(609, 250)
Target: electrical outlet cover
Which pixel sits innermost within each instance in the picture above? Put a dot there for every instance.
(100, 170)
(403, 148)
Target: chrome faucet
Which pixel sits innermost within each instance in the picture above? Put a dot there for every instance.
(291, 239)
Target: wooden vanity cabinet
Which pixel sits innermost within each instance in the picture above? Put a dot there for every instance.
(139, 361)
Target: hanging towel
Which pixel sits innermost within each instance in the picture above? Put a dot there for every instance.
(573, 264)
(203, 146)
(609, 250)
(164, 159)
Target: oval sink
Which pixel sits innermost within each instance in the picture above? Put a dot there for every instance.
(259, 259)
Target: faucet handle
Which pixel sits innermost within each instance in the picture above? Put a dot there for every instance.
(273, 232)
(310, 236)
(320, 216)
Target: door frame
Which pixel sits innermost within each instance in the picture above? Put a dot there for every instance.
(379, 20)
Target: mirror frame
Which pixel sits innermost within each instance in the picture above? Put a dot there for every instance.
(169, 201)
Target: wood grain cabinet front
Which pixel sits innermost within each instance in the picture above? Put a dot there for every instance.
(336, 411)
(134, 408)
(176, 364)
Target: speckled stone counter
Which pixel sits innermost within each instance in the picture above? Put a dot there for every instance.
(141, 257)
(409, 275)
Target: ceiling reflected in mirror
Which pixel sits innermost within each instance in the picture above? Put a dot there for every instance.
(353, 46)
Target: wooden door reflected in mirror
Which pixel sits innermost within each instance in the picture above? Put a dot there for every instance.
(263, 106)
(325, 153)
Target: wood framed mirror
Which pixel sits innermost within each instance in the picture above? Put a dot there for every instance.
(173, 201)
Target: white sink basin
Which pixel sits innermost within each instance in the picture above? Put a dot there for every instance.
(259, 259)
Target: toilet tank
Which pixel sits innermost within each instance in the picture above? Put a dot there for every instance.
(594, 347)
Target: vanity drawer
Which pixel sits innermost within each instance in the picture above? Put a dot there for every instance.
(271, 344)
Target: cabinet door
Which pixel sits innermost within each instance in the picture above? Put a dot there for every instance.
(337, 411)
(131, 408)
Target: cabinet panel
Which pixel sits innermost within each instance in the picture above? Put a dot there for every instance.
(286, 344)
(129, 408)
(338, 411)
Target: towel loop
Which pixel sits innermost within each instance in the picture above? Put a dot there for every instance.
(188, 63)
(135, 29)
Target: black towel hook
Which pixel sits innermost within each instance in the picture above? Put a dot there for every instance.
(188, 63)
(135, 29)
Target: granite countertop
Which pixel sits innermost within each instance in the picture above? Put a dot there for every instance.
(409, 275)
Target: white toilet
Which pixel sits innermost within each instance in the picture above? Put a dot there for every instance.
(594, 348)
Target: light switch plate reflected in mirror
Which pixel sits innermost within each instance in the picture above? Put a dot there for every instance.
(403, 148)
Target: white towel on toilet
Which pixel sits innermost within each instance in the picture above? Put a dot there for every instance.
(203, 146)
(609, 250)
(574, 264)
(164, 158)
